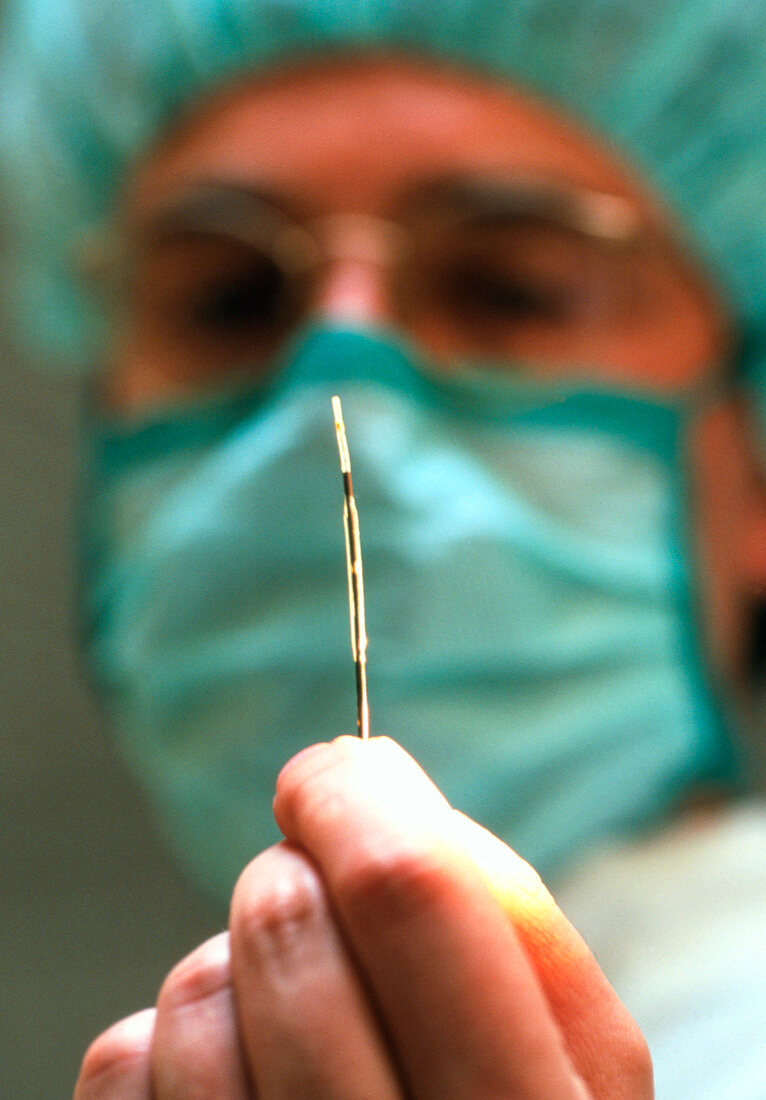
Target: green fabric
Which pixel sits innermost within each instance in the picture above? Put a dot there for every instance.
(536, 539)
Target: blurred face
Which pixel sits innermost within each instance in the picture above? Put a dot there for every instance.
(476, 222)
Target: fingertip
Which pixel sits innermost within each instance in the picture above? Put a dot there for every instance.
(199, 976)
(324, 753)
(316, 756)
(301, 758)
(305, 763)
(306, 766)
(119, 1057)
(345, 776)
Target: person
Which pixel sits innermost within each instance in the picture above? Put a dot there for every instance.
(524, 245)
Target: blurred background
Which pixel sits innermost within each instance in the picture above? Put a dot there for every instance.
(92, 912)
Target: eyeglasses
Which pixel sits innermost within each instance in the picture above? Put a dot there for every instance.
(473, 269)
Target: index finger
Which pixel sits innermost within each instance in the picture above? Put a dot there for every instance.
(456, 991)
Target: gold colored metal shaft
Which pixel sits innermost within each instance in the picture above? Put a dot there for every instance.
(355, 578)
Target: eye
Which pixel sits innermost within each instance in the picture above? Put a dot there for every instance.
(491, 291)
(513, 276)
(204, 305)
(199, 286)
(249, 298)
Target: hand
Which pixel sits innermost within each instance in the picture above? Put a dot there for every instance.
(389, 948)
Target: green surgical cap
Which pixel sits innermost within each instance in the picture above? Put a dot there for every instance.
(679, 86)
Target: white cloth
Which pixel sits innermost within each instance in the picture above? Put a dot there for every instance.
(678, 923)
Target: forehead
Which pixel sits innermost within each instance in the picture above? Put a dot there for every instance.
(356, 133)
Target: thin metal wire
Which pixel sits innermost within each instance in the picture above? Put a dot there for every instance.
(355, 578)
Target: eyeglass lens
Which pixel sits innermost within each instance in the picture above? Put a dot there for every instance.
(213, 288)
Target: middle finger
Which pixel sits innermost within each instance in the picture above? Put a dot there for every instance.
(306, 1022)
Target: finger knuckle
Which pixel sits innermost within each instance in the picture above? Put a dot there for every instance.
(274, 905)
(395, 885)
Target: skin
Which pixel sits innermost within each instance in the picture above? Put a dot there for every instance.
(346, 947)
(348, 942)
(427, 122)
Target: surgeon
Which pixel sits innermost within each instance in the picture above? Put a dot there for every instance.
(525, 244)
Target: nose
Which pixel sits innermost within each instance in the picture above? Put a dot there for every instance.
(354, 277)
(352, 290)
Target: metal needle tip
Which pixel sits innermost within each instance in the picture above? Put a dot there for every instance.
(340, 432)
(355, 579)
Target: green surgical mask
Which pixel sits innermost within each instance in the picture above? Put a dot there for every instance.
(528, 595)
